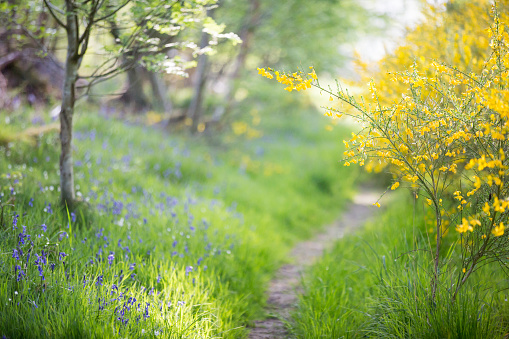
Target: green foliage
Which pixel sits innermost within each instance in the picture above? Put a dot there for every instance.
(298, 32)
(233, 205)
(376, 283)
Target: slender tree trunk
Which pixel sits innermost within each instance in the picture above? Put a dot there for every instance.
(195, 108)
(251, 20)
(161, 99)
(67, 108)
(134, 93)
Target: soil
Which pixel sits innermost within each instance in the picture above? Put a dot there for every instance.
(284, 288)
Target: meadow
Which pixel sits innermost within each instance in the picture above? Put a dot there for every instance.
(160, 206)
(170, 238)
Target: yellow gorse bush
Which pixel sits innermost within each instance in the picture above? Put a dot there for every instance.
(442, 126)
(294, 81)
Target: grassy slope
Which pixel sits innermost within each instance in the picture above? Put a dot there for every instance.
(373, 284)
(180, 234)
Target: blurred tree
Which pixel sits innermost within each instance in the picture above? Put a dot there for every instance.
(136, 44)
(136, 75)
(27, 45)
(284, 34)
(200, 78)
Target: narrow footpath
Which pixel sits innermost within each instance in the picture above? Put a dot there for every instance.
(283, 289)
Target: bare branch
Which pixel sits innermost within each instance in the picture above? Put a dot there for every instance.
(52, 7)
(112, 13)
(41, 46)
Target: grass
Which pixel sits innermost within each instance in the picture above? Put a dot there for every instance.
(376, 283)
(175, 237)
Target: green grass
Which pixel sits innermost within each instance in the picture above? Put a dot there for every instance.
(206, 220)
(376, 283)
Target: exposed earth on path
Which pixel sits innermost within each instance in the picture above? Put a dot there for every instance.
(283, 289)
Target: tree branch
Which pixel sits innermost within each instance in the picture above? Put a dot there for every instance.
(50, 7)
(109, 15)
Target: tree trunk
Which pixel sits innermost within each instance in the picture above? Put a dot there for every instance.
(195, 108)
(159, 92)
(246, 35)
(67, 109)
(134, 94)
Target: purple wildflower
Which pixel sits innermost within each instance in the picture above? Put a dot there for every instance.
(43, 258)
(44, 227)
(189, 269)
(73, 217)
(99, 281)
(41, 274)
(62, 235)
(145, 314)
(31, 202)
(15, 222)
(174, 243)
(15, 254)
(111, 257)
(23, 236)
(21, 274)
(61, 255)
(38, 259)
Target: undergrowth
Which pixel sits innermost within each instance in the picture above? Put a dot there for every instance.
(376, 283)
(175, 236)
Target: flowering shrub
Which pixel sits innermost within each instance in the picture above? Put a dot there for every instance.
(444, 134)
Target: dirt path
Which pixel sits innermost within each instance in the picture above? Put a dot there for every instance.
(282, 290)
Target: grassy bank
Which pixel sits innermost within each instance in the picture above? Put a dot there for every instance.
(376, 283)
(176, 236)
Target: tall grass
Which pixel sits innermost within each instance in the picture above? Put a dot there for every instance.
(376, 283)
(175, 237)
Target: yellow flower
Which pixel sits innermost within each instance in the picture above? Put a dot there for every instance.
(498, 230)
(376, 204)
(464, 226)
(395, 185)
(486, 208)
